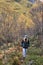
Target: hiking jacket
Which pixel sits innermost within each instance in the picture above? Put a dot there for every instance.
(25, 44)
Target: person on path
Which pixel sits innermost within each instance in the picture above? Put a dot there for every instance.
(25, 44)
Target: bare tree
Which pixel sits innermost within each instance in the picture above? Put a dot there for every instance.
(37, 17)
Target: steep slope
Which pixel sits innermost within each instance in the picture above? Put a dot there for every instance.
(14, 6)
(15, 19)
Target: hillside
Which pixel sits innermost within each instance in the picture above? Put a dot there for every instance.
(19, 16)
(12, 7)
(15, 18)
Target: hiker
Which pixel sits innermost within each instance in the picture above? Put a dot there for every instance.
(25, 45)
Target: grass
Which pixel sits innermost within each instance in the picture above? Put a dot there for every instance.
(34, 51)
(0, 62)
(34, 55)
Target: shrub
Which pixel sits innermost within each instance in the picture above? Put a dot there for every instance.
(16, 61)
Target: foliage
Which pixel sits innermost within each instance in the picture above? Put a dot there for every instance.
(0, 62)
(17, 18)
(16, 61)
(14, 20)
(36, 16)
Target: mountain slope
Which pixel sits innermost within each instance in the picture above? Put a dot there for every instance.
(15, 18)
(14, 6)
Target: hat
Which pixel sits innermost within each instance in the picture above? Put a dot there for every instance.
(25, 37)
